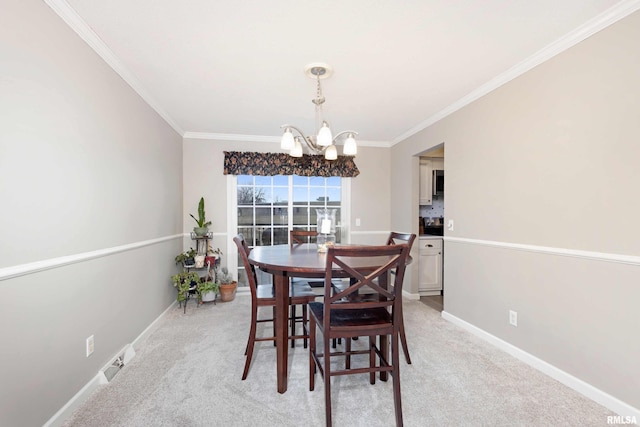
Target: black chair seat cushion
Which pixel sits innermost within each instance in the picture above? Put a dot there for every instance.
(295, 290)
(351, 318)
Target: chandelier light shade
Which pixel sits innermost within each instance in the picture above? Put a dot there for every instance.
(323, 142)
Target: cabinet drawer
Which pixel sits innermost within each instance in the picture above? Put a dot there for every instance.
(430, 244)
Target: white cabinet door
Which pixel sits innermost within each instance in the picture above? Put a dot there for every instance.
(426, 185)
(430, 266)
(437, 163)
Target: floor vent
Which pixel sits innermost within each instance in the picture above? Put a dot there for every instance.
(110, 372)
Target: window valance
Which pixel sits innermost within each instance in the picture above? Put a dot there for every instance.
(271, 164)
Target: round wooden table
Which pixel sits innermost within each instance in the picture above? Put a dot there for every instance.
(304, 260)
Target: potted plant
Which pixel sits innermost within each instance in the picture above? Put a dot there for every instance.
(207, 289)
(211, 255)
(186, 258)
(228, 286)
(203, 225)
(185, 282)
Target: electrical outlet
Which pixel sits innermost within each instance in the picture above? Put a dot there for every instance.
(90, 345)
(513, 317)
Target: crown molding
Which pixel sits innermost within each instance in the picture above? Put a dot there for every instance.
(608, 17)
(77, 24)
(230, 137)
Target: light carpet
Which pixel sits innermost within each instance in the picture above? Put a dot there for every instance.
(187, 373)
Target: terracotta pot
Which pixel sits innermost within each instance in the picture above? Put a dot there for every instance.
(228, 291)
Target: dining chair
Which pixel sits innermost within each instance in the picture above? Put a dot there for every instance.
(298, 237)
(403, 238)
(264, 296)
(349, 314)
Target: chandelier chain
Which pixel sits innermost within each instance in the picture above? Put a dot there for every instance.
(319, 98)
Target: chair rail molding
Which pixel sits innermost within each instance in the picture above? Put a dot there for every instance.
(33, 267)
(575, 253)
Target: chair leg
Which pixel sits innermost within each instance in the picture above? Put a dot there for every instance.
(251, 342)
(312, 352)
(347, 349)
(372, 358)
(395, 359)
(305, 331)
(405, 347)
(403, 338)
(293, 324)
(275, 329)
(326, 359)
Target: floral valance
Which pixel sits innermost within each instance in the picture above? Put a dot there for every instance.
(270, 164)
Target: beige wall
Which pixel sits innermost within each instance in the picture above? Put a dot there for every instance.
(548, 160)
(85, 166)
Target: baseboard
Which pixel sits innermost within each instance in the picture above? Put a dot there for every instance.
(589, 391)
(100, 379)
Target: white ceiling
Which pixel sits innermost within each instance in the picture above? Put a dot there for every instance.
(225, 68)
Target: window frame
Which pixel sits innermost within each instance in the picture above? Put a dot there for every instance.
(232, 217)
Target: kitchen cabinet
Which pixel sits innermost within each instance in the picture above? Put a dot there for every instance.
(426, 182)
(427, 166)
(430, 266)
(437, 163)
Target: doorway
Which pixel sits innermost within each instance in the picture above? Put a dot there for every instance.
(431, 212)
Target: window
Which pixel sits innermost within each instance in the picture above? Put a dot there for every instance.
(268, 206)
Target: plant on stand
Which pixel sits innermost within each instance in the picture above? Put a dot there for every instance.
(211, 255)
(203, 225)
(186, 258)
(228, 286)
(185, 282)
(207, 289)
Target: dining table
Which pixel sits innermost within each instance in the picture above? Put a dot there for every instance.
(300, 260)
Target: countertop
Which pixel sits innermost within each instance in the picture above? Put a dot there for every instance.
(429, 236)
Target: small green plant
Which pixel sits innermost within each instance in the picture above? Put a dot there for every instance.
(205, 286)
(184, 282)
(201, 220)
(211, 251)
(184, 256)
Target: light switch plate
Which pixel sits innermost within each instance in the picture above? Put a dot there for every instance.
(450, 225)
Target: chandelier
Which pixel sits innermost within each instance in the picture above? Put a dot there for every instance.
(323, 141)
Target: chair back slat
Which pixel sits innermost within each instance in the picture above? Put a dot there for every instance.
(367, 266)
(243, 251)
(403, 238)
(297, 237)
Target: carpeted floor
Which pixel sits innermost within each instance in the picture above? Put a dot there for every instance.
(187, 373)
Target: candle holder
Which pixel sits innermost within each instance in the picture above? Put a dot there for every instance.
(326, 228)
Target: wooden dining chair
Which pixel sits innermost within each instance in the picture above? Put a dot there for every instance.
(403, 238)
(264, 296)
(348, 314)
(298, 237)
